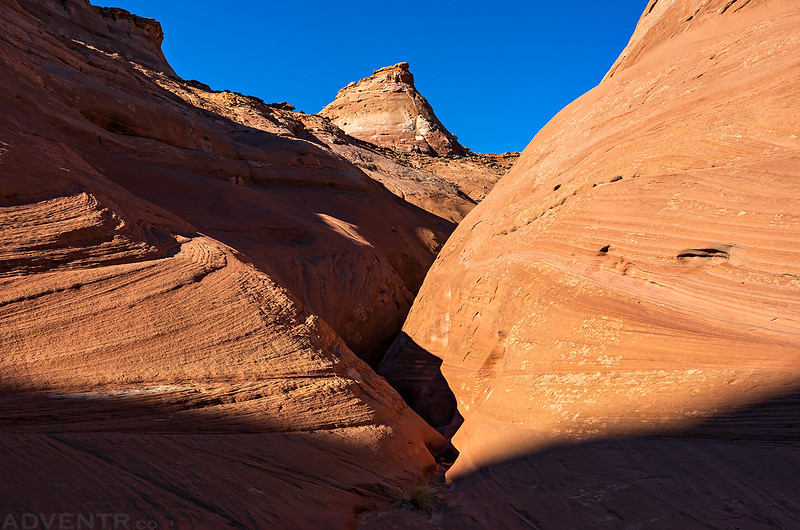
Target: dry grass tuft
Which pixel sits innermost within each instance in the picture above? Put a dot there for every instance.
(422, 497)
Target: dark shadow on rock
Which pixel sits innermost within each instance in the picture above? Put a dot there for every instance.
(416, 375)
(179, 458)
(738, 470)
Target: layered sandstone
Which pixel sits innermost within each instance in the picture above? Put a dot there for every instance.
(183, 291)
(387, 110)
(286, 189)
(610, 317)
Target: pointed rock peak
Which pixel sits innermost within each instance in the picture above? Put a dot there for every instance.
(387, 110)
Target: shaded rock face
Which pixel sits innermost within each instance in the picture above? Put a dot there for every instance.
(286, 190)
(636, 273)
(385, 109)
(185, 277)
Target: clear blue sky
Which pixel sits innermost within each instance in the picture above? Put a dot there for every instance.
(494, 72)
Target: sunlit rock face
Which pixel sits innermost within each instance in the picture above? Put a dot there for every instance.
(637, 272)
(387, 110)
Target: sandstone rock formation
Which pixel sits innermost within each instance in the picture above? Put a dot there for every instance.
(385, 109)
(299, 199)
(448, 187)
(611, 317)
(186, 275)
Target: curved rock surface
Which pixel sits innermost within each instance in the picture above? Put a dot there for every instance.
(636, 273)
(287, 190)
(387, 110)
(183, 290)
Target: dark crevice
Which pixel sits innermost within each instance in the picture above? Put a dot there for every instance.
(705, 253)
(416, 375)
(728, 6)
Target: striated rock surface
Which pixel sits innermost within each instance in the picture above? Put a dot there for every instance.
(186, 277)
(387, 110)
(249, 175)
(613, 315)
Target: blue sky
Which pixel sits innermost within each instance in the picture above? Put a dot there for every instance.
(494, 72)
